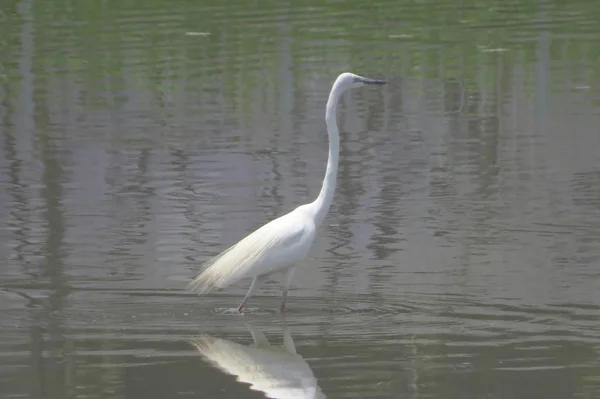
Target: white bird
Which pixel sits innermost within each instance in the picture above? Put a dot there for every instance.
(279, 372)
(280, 244)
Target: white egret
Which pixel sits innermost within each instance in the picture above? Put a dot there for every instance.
(280, 244)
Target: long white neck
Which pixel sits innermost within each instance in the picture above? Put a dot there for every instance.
(321, 205)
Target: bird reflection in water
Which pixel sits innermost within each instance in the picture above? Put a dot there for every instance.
(277, 371)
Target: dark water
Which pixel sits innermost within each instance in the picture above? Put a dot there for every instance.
(461, 258)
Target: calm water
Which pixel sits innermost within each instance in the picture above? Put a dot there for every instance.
(461, 258)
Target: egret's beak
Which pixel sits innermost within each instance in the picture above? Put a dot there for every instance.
(368, 81)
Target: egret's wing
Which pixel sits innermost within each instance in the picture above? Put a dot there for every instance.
(275, 245)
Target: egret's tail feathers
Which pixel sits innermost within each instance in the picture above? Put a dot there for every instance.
(207, 281)
(247, 258)
(216, 274)
(203, 284)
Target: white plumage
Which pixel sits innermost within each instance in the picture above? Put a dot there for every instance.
(275, 246)
(280, 244)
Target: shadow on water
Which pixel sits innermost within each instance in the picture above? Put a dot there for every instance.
(278, 371)
(290, 370)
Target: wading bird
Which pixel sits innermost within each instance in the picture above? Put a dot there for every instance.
(280, 244)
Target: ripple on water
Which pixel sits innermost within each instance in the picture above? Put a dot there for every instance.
(366, 343)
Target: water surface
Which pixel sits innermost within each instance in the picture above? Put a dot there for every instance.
(461, 256)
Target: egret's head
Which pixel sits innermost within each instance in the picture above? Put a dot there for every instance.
(349, 80)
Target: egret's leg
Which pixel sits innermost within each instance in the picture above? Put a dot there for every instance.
(287, 280)
(256, 282)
